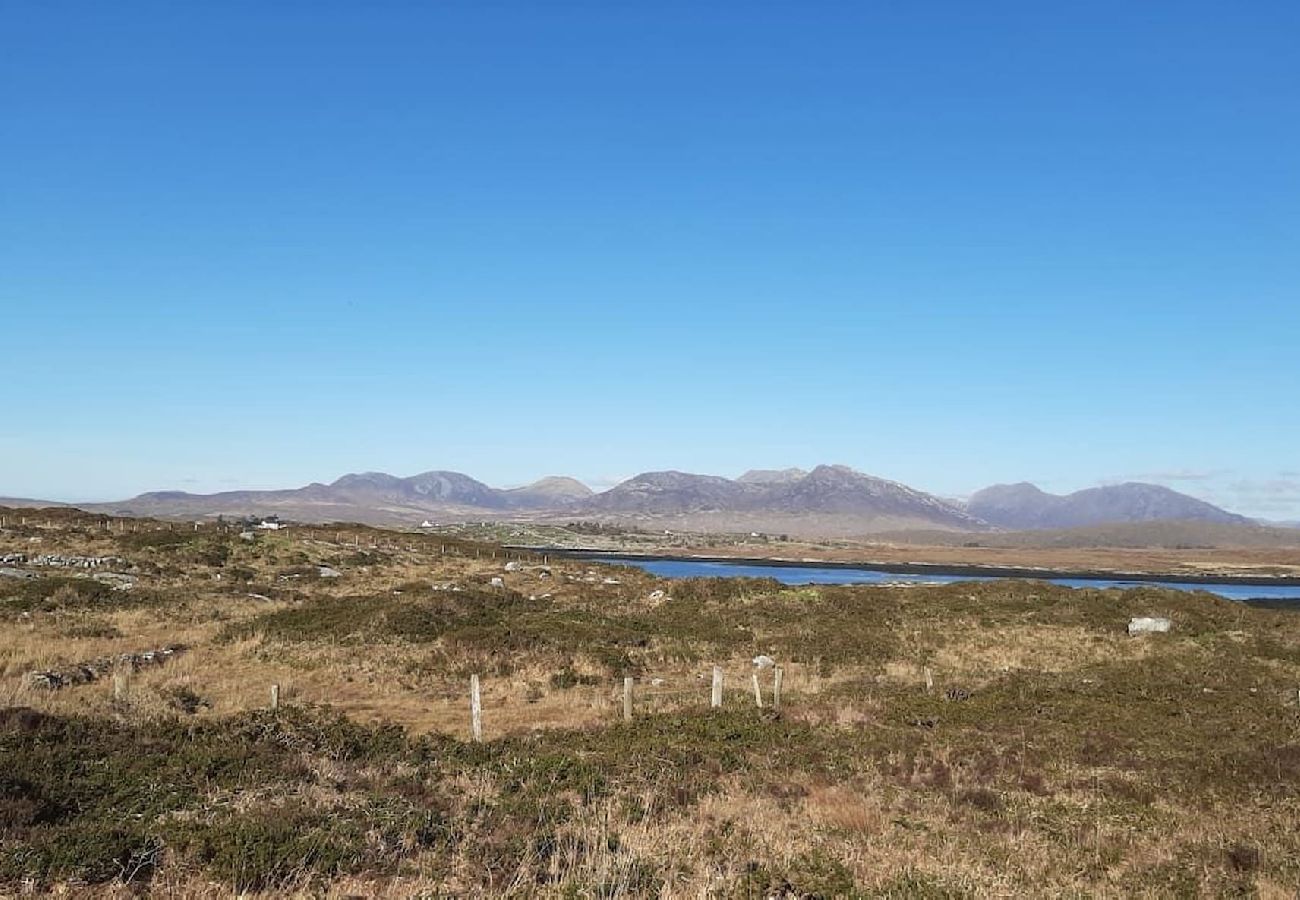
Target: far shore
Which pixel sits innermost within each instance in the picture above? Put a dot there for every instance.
(923, 568)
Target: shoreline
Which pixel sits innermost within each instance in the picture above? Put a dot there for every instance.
(921, 568)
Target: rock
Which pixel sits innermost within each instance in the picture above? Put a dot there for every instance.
(248, 535)
(657, 595)
(87, 672)
(328, 572)
(497, 581)
(956, 694)
(50, 681)
(1147, 625)
(764, 662)
(58, 560)
(513, 566)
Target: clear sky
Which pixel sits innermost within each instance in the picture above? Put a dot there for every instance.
(950, 243)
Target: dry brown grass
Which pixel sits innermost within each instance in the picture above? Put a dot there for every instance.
(1065, 772)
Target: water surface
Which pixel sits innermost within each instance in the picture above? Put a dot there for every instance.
(694, 568)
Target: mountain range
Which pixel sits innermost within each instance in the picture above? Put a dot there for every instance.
(1024, 506)
(828, 501)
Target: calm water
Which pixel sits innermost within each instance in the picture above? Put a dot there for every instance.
(689, 568)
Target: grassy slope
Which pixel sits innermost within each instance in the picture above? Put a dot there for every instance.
(1070, 758)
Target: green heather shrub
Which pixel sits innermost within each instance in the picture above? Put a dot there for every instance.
(163, 539)
(211, 551)
(67, 593)
(296, 844)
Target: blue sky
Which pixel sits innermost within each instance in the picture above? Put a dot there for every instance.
(261, 244)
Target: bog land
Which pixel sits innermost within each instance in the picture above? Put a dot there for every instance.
(197, 710)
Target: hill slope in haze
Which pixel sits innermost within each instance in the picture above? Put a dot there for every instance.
(374, 497)
(831, 501)
(1025, 506)
(771, 476)
(549, 492)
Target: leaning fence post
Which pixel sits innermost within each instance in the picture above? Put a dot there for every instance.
(627, 699)
(715, 699)
(758, 692)
(475, 709)
(776, 688)
(275, 696)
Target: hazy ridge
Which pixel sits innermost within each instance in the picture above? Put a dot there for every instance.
(828, 501)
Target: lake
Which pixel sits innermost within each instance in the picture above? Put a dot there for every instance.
(694, 568)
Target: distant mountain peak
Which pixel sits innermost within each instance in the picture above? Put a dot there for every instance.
(837, 470)
(669, 492)
(357, 479)
(561, 483)
(771, 476)
(1026, 506)
(551, 491)
(829, 498)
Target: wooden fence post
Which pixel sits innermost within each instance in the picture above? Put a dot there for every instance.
(929, 680)
(121, 686)
(758, 692)
(475, 709)
(715, 699)
(275, 696)
(776, 688)
(627, 699)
